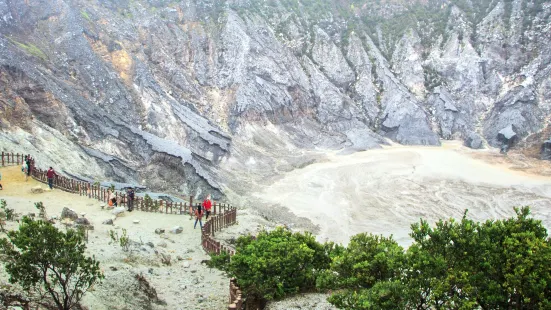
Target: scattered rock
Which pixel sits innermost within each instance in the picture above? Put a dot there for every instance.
(150, 270)
(162, 244)
(82, 221)
(83, 214)
(136, 221)
(186, 265)
(31, 215)
(113, 268)
(150, 244)
(177, 230)
(108, 222)
(68, 213)
(37, 190)
(195, 280)
(159, 231)
(118, 211)
(179, 258)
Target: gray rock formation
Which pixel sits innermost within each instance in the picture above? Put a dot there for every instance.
(68, 213)
(190, 97)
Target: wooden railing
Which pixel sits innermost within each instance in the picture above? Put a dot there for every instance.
(10, 159)
(236, 297)
(213, 225)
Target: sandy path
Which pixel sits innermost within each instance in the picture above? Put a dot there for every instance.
(194, 287)
(384, 191)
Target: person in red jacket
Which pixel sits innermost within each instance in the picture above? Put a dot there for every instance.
(51, 174)
(207, 205)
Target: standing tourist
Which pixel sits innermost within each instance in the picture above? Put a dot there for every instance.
(130, 199)
(1, 188)
(198, 216)
(29, 163)
(24, 168)
(207, 205)
(51, 174)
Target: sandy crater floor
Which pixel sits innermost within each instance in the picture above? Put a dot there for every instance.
(384, 191)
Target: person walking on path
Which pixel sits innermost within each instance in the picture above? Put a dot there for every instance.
(1, 188)
(207, 205)
(198, 216)
(24, 169)
(51, 174)
(130, 199)
(29, 162)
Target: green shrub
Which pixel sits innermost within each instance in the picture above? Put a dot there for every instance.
(219, 261)
(6, 213)
(49, 263)
(123, 241)
(278, 263)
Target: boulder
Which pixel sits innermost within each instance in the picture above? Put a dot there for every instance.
(546, 150)
(108, 222)
(474, 141)
(68, 213)
(118, 211)
(162, 244)
(82, 221)
(159, 231)
(177, 230)
(37, 190)
(507, 137)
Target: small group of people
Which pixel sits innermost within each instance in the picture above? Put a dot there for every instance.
(200, 210)
(113, 201)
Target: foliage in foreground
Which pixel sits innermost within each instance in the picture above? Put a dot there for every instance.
(462, 264)
(502, 264)
(45, 261)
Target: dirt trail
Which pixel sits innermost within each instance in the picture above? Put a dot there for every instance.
(384, 191)
(181, 286)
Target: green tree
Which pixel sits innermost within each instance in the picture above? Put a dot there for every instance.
(277, 263)
(491, 265)
(49, 262)
(365, 271)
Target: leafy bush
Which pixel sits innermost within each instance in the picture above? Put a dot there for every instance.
(278, 263)
(6, 213)
(219, 261)
(123, 240)
(41, 209)
(48, 262)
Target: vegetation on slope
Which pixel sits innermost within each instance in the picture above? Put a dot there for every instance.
(461, 264)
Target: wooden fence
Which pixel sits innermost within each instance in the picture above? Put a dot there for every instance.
(10, 159)
(213, 225)
(236, 297)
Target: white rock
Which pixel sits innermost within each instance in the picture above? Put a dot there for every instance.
(118, 211)
(136, 221)
(186, 265)
(177, 230)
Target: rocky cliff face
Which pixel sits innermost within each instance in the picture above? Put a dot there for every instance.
(188, 96)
